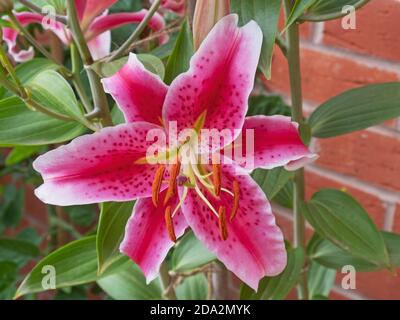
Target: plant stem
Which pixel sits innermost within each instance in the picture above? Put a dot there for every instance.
(76, 79)
(166, 282)
(99, 96)
(293, 57)
(38, 9)
(138, 31)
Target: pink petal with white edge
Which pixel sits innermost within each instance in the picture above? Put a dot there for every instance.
(255, 245)
(98, 167)
(276, 143)
(92, 8)
(100, 46)
(146, 239)
(139, 93)
(219, 81)
(116, 20)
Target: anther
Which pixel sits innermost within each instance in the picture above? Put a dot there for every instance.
(216, 174)
(236, 195)
(169, 224)
(155, 188)
(176, 168)
(222, 223)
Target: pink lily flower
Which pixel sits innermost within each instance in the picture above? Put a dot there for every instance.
(221, 203)
(95, 22)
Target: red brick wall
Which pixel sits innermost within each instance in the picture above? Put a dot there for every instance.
(365, 163)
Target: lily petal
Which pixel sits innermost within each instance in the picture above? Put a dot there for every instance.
(139, 93)
(92, 8)
(146, 239)
(100, 46)
(116, 20)
(255, 246)
(276, 143)
(219, 81)
(98, 167)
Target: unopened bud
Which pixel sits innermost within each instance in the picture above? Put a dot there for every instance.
(206, 15)
(6, 6)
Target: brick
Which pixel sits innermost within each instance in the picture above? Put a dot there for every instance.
(376, 285)
(327, 76)
(396, 222)
(334, 295)
(376, 31)
(372, 204)
(366, 155)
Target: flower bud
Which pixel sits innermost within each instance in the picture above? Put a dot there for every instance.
(206, 15)
(6, 6)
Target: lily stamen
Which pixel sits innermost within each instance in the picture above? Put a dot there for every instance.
(169, 223)
(222, 223)
(216, 174)
(156, 186)
(176, 168)
(236, 196)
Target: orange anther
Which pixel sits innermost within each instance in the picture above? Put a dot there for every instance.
(155, 188)
(176, 168)
(169, 223)
(216, 174)
(223, 230)
(236, 196)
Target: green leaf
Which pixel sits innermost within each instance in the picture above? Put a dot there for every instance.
(28, 70)
(129, 283)
(277, 288)
(299, 8)
(12, 208)
(21, 153)
(272, 181)
(320, 280)
(193, 288)
(21, 126)
(83, 215)
(267, 106)
(178, 61)
(117, 115)
(326, 253)
(74, 263)
(8, 276)
(150, 62)
(338, 217)
(18, 251)
(285, 196)
(266, 14)
(323, 10)
(111, 230)
(183, 257)
(55, 93)
(356, 109)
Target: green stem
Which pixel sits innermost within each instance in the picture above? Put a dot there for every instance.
(138, 31)
(76, 79)
(99, 96)
(293, 57)
(166, 282)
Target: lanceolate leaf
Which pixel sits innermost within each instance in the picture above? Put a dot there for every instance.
(356, 109)
(320, 280)
(21, 153)
(193, 288)
(299, 8)
(130, 284)
(272, 181)
(338, 217)
(54, 92)
(323, 10)
(17, 251)
(266, 14)
(178, 61)
(277, 288)
(326, 253)
(28, 70)
(22, 126)
(113, 218)
(189, 254)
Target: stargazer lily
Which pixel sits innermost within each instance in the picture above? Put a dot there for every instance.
(95, 22)
(220, 202)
